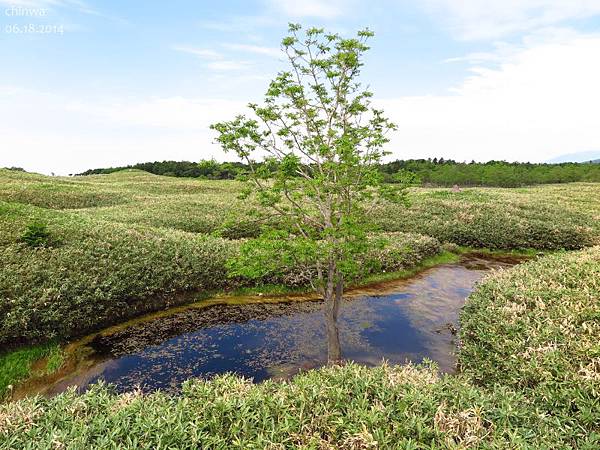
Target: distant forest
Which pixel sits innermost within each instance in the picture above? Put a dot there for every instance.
(435, 172)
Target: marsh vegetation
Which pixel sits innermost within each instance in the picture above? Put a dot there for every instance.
(312, 220)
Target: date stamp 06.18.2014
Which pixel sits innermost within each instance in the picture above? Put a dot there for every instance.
(24, 20)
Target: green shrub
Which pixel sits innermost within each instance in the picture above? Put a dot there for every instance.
(102, 272)
(548, 217)
(535, 329)
(543, 217)
(349, 407)
(36, 235)
(105, 272)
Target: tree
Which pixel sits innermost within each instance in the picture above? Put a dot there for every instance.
(209, 168)
(313, 149)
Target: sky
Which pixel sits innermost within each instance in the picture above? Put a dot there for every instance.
(88, 83)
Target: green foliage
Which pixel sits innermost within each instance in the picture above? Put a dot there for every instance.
(535, 329)
(434, 172)
(167, 168)
(530, 379)
(320, 141)
(548, 217)
(273, 259)
(104, 272)
(16, 365)
(493, 173)
(36, 235)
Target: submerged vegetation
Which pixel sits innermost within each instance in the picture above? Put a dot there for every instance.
(530, 379)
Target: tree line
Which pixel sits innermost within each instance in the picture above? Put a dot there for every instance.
(435, 172)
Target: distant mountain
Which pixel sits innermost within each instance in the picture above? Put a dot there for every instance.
(593, 156)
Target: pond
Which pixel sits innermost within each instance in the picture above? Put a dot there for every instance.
(399, 321)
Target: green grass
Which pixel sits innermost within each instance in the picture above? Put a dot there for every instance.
(540, 217)
(16, 365)
(530, 379)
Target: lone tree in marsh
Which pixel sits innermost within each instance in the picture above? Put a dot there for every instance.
(313, 149)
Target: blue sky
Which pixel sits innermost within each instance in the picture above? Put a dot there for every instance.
(108, 83)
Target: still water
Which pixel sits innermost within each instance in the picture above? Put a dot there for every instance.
(405, 320)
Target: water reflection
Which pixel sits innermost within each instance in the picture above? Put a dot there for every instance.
(406, 320)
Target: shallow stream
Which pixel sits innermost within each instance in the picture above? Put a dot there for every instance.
(399, 321)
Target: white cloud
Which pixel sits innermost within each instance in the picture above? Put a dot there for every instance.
(200, 52)
(52, 133)
(323, 9)
(177, 113)
(228, 65)
(216, 60)
(490, 19)
(257, 49)
(541, 101)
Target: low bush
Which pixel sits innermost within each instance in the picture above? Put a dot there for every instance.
(543, 217)
(104, 272)
(536, 329)
(55, 192)
(36, 235)
(349, 407)
(530, 379)
(548, 217)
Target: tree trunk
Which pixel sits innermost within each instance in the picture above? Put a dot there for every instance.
(333, 297)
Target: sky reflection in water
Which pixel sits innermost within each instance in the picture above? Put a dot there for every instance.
(413, 321)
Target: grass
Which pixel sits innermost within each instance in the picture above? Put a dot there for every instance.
(536, 329)
(540, 217)
(530, 379)
(17, 365)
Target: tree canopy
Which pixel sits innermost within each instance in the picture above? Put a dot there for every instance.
(313, 150)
